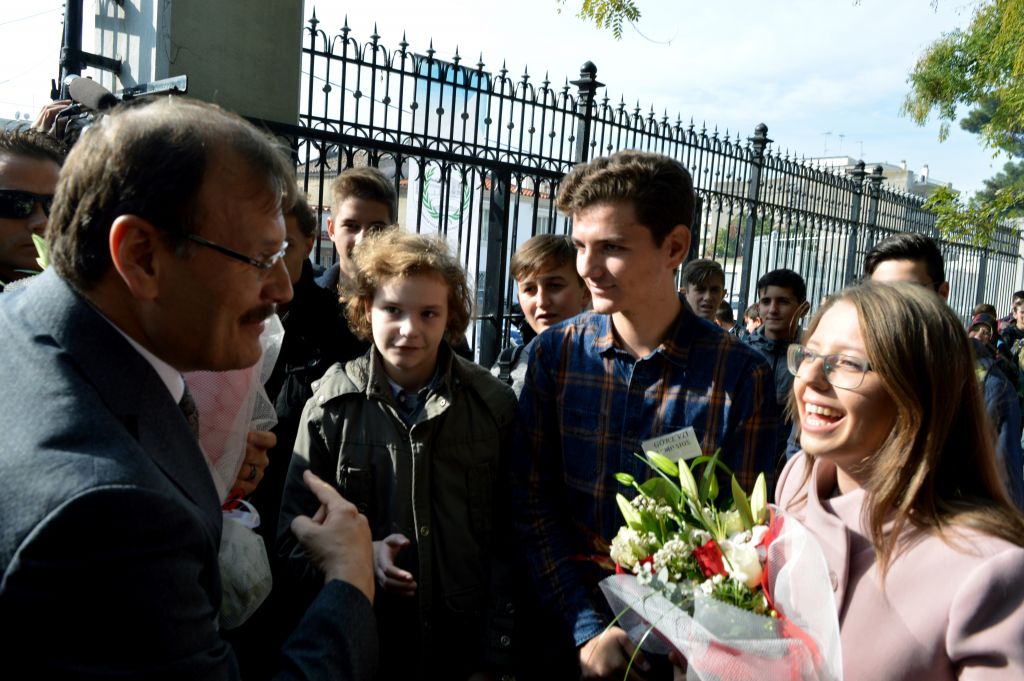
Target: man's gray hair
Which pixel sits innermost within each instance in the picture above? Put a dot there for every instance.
(150, 159)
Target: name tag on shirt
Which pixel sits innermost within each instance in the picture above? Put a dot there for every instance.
(681, 444)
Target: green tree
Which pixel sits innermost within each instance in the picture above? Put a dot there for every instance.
(608, 14)
(982, 67)
(972, 67)
(1012, 176)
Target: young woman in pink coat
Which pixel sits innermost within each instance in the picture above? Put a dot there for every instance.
(898, 481)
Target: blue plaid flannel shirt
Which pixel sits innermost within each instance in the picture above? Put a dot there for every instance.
(585, 408)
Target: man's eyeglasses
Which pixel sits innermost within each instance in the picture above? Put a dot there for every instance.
(842, 371)
(18, 205)
(263, 265)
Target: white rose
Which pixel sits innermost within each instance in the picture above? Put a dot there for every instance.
(757, 533)
(742, 562)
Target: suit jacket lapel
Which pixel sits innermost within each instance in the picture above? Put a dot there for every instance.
(129, 387)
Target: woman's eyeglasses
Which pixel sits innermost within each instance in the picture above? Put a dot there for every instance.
(841, 371)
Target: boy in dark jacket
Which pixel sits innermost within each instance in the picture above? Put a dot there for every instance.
(782, 302)
(416, 437)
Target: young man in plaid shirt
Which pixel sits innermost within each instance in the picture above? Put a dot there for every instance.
(602, 385)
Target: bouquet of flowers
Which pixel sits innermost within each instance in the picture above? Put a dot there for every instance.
(233, 403)
(739, 590)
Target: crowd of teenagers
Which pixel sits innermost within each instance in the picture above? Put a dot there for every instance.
(426, 517)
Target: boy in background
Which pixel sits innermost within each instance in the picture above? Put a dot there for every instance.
(725, 319)
(363, 201)
(751, 321)
(782, 303)
(550, 291)
(703, 284)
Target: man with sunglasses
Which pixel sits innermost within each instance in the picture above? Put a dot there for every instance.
(29, 164)
(166, 242)
(917, 258)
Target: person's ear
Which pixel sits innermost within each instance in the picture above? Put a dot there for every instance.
(803, 309)
(307, 244)
(944, 290)
(678, 245)
(330, 228)
(137, 251)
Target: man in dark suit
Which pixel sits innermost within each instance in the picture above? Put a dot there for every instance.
(166, 238)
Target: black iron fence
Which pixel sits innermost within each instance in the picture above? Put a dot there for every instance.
(477, 155)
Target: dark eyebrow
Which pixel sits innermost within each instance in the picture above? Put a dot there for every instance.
(614, 239)
(396, 303)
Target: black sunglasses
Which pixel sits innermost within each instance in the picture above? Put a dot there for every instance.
(18, 205)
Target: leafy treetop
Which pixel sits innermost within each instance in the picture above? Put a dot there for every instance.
(972, 67)
(608, 14)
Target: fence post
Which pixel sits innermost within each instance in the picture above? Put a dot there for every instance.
(759, 142)
(874, 187)
(979, 296)
(586, 94)
(695, 229)
(857, 174)
(489, 343)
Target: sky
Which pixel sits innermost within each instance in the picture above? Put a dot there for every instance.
(826, 76)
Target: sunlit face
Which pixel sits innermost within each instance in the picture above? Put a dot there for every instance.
(1018, 315)
(349, 224)
(617, 258)
(914, 271)
(844, 426)
(779, 307)
(17, 250)
(705, 298)
(299, 248)
(551, 296)
(408, 318)
(211, 308)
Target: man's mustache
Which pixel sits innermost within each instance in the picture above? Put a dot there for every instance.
(258, 314)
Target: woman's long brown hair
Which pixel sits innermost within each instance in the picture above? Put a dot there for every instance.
(937, 469)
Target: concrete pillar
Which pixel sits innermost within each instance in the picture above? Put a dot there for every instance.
(244, 56)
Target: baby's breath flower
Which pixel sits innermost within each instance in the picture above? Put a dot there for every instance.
(672, 557)
(644, 573)
(708, 585)
(655, 507)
